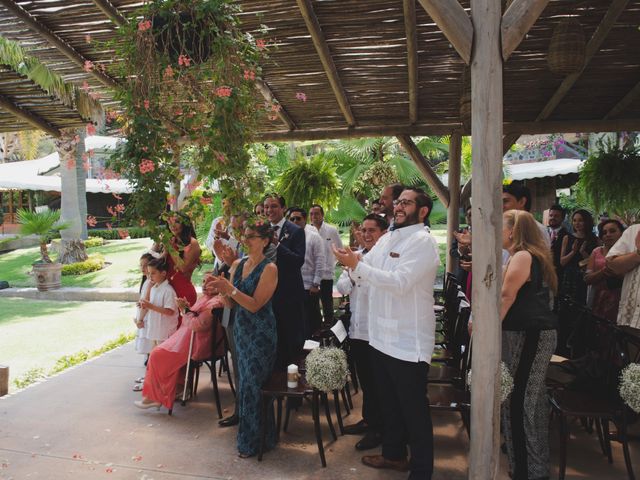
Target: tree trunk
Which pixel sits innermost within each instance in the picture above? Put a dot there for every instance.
(70, 148)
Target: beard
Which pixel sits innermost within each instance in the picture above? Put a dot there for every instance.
(409, 219)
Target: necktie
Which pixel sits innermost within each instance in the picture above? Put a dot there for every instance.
(276, 229)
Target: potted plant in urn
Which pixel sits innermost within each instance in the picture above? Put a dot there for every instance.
(46, 272)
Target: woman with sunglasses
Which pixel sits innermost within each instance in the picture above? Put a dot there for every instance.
(254, 280)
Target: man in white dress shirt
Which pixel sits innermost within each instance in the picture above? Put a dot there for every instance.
(373, 227)
(329, 234)
(312, 270)
(401, 270)
(624, 259)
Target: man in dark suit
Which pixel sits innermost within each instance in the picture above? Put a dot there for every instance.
(557, 232)
(288, 299)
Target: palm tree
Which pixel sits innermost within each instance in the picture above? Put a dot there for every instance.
(42, 224)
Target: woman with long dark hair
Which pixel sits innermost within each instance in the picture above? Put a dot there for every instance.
(528, 340)
(183, 257)
(574, 256)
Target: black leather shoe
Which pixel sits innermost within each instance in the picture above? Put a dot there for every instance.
(369, 441)
(229, 421)
(359, 428)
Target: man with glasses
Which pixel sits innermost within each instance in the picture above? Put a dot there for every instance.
(312, 270)
(400, 271)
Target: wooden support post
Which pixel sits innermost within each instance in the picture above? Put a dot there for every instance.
(427, 172)
(453, 211)
(4, 380)
(486, 125)
(409, 9)
(517, 21)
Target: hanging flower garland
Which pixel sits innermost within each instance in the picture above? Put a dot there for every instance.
(188, 80)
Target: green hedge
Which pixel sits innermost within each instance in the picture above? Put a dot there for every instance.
(134, 232)
(93, 263)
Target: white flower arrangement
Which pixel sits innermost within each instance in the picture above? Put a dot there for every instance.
(327, 369)
(629, 387)
(506, 382)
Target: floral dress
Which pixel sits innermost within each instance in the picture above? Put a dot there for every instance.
(256, 341)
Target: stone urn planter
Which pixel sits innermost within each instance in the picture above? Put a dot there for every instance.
(47, 275)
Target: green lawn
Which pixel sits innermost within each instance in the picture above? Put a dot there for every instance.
(123, 271)
(35, 333)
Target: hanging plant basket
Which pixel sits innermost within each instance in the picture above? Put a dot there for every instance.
(567, 47)
(180, 33)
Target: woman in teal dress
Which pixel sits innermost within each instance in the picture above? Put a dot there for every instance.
(254, 331)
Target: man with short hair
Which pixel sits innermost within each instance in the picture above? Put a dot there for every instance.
(373, 227)
(557, 232)
(515, 196)
(288, 306)
(312, 270)
(624, 259)
(400, 271)
(329, 235)
(390, 194)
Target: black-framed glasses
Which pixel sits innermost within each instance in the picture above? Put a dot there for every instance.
(403, 202)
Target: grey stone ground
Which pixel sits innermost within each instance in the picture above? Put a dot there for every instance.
(82, 425)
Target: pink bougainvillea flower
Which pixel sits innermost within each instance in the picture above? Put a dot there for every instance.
(86, 165)
(168, 72)
(184, 61)
(88, 65)
(147, 166)
(95, 95)
(276, 107)
(76, 138)
(116, 196)
(85, 86)
(301, 96)
(91, 129)
(273, 117)
(205, 200)
(171, 199)
(249, 75)
(109, 226)
(90, 152)
(87, 38)
(91, 221)
(70, 164)
(111, 210)
(221, 157)
(142, 222)
(261, 44)
(123, 234)
(144, 25)
(111, 116)
(224, 91)
(120, 207)
(178, 111)
(146, 104)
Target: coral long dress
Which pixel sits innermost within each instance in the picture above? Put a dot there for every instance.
(166, 366)
(180, 282)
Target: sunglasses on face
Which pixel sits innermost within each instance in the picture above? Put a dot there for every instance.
(295, 219)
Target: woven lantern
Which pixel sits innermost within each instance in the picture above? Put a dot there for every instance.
(567, 47)
(465, 99)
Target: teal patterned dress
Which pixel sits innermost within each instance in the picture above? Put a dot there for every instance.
(256, 340)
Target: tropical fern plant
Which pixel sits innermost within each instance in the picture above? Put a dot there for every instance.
(310, 180)
(610, 177)
(43, 224)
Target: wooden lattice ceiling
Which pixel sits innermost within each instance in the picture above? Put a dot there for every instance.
(350, 58)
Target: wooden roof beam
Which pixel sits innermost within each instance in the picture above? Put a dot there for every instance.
(615, 10)
(454, 22)
(508, 141)
(269, 96)
(430, 176)
(61, 45)
(622, 105)
(29, 117)
(313, 26)
(409, 8)
(517, 21)
(110, 11)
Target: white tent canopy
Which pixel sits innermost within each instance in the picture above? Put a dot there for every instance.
(32, 174)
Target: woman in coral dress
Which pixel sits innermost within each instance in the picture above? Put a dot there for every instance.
(167, 361)
(184, 257)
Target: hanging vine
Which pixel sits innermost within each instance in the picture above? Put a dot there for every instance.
(189, 78)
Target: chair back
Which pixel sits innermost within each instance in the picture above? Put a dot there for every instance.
(218, 338)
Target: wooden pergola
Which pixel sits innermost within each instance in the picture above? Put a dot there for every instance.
(398, 68)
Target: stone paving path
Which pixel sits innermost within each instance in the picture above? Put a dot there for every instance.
(82, 424)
